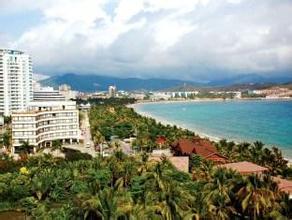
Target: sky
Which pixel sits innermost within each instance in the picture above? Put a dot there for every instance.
(195, 40)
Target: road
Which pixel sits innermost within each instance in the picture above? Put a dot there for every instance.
(88, 145)
(85, 130)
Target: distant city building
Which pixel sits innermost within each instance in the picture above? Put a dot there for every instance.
(44, 122)
(237, 95)
(274, 92)
(138, 96)
(15, 81)
(64, 87)
(36, 85)
(66, 91)
(112, 91)
(160, 96)
(84, 106)
(47, 94)
(185, 94)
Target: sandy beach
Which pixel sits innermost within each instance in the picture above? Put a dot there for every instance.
(166, 122)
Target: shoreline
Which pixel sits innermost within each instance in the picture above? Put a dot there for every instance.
(209, 100)
(197, 132)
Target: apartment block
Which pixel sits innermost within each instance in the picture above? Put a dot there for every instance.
(15, 81)
(44, 122)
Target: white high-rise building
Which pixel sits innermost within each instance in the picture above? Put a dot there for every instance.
(112, 91)
(15, 81)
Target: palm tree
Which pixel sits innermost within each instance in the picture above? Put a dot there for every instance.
(107, 204)
(98, 138)
(57, 145)
(257, 152)
(255, 197)
(26, 147)
(41, 183)
(6, 138)
(219, 194)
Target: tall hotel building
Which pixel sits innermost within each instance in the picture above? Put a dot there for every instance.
(15, 81)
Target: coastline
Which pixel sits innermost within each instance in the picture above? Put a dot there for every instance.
(163, 121)
(209, 100)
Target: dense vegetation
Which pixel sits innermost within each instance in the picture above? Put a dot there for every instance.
(110, 101)
(134, 187)
(118, 120)
(107, 121)
(123, 187)
(256, 153)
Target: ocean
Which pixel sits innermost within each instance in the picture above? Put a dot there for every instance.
(268, 121)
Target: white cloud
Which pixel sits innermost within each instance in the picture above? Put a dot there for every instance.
(164, 37)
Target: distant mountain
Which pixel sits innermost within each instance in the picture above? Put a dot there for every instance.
(252, 79)
(90, 83)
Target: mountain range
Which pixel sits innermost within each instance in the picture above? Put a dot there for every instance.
(91, 83)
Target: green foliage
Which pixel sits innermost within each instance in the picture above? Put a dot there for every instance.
(57, 145)
(128, 187)
(7, 119)
(123, 187)
(118, 120)
(257, 153)
(110, 101)
(6, 138)
(72, 155)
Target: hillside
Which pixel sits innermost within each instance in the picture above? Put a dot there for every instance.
(90, 83)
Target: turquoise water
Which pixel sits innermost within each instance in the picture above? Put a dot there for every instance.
(268, 121)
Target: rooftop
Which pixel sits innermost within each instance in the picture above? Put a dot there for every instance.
(8, 51)
(180, 163)
(201, 147)
(284, 185)
(245, 167)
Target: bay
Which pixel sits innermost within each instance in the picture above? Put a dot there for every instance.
(269, 121)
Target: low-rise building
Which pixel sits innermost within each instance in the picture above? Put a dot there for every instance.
(180, 163)
(201, 147)
(284, 185)
(245, 168)
(44, 122)
(65, 90)
(160, 96)
(138, 96)
(47, 94)
(248, 168)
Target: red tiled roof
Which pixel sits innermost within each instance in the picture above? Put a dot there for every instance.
(284, 185)
(160, 140)
(185, 146)
(180, 163)
(245, 167)
(201, 147)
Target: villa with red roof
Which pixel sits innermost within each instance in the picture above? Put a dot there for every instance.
(245, 168)
(201, 147)
(284, 185)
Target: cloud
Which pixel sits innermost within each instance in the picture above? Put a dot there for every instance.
(192, 39)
